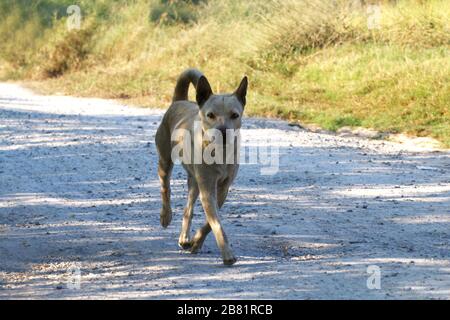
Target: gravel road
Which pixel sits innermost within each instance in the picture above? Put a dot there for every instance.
(79, 212)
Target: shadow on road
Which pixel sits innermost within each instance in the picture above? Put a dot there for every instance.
(82, 190)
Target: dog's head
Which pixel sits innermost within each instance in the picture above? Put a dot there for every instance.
(221, 112)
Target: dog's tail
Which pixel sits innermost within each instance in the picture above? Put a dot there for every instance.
(184, 80)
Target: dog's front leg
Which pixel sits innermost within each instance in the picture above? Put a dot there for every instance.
(208, 197)
(184, 240)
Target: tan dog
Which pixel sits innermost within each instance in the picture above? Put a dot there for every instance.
(221, 112)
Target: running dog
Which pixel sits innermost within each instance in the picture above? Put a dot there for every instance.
(218, 112)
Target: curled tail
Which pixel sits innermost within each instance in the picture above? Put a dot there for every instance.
(184, 80)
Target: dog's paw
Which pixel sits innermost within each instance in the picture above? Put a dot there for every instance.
(165, 217)
(229, 261)
(185, 245)
(195, 247)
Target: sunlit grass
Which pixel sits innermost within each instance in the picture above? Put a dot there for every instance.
(313, 61)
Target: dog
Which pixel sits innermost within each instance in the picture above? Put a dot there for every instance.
(219, 112)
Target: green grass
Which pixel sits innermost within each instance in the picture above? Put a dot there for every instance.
(311, 61)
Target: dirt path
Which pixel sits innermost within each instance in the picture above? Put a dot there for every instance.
(78, 189)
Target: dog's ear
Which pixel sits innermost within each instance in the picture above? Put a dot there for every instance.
(203, 91)
(241, 91)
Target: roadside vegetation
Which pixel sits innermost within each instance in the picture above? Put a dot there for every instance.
(332, 63)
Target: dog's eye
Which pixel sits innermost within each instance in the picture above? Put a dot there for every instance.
(210, 115)
(235, 115)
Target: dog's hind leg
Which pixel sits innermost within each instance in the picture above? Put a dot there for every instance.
(199, 238)
(165, 167)
(222, 194)
(184, 240)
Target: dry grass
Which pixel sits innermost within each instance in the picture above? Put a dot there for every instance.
(314, 61)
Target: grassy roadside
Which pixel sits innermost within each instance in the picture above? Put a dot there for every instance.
(313, 61)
